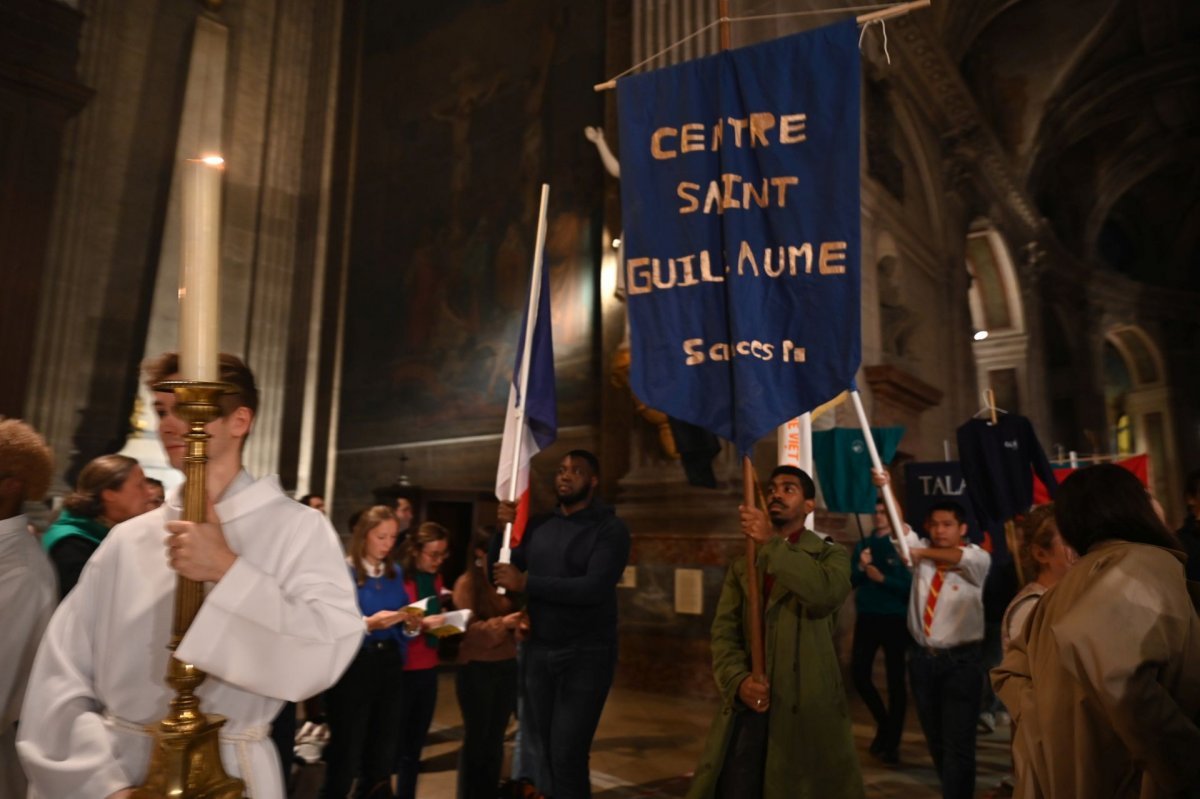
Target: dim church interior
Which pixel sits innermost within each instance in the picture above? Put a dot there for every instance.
(1029, 172)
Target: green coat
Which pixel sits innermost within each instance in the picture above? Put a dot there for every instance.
(810, 749)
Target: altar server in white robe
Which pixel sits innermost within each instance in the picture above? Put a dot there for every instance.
(28, 585)
(280, 622)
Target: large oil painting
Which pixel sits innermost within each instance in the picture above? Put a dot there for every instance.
(466, 108)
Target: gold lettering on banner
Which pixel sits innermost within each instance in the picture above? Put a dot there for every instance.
(722, 195)
(692, 138)
(832, 252)
(757, 129)
(794, 253)
(693, 202)
(779, 262)
(689, 279)
(744, 255)
(661, 282)
(781, 184)
(706, 273)
(791, 128)
(728, 200)
(637, 276)
(656, 148)
(738, 126)
(760, 123)
(713, 198)
(749, 194)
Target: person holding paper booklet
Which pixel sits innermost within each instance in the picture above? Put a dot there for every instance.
(568, 565)
(486, 680)
(788, 737)
(421, 556)
(364, 705)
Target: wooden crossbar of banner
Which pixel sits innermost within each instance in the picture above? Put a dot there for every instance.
(879, 15)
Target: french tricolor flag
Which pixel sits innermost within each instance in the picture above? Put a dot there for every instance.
(531, 421)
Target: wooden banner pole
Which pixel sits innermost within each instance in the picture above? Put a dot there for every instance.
(758, 655)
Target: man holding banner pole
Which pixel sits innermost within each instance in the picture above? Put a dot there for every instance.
(786, 734)
(740, 206)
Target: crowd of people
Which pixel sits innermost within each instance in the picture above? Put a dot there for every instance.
(1100, 669)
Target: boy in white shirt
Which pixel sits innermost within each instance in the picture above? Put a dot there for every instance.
(945, 618)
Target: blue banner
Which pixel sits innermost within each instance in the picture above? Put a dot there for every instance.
(740, 204)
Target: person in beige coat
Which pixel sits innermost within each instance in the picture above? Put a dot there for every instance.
(1104, 685)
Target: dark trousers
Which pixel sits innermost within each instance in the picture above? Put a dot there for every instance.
(946, 687)
(363, 709)
(745, 757)
(487, 697)
(417, 703)
(566, 688)
(871, 631)
(993, 653)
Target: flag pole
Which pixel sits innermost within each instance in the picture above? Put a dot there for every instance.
(889, 500)
(535, 292)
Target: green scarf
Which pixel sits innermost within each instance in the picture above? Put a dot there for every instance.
(427, 587)
(68, 525)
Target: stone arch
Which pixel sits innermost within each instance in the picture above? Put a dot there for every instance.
(1138, 407)
(1001, 339)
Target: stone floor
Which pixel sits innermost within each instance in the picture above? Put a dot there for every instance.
(647, 746)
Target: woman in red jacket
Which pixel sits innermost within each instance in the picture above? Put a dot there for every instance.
(424, 553)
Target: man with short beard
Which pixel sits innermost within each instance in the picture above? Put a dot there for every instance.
(788, 736)
(568, 565)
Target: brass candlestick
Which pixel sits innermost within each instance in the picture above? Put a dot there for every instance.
(185, 762)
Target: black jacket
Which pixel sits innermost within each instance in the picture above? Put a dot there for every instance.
(573, 564)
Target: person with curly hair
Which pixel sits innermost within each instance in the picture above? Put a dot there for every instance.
(27, 585)
(110, 489)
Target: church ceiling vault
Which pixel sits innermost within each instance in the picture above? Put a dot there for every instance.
(1097, 103)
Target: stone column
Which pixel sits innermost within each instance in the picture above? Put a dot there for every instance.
(39, 93)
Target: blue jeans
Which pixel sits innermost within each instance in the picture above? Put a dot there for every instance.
(946, 687)
(566, 688)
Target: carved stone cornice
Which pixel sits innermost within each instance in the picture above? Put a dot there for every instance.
(967, 137)
(900, 389)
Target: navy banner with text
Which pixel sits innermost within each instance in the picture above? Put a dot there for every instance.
(740, 205)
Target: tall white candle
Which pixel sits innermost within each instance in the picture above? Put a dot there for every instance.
(199, 294)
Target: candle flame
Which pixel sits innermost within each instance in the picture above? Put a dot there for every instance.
(213, 160)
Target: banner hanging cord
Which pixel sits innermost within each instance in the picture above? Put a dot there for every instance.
(612, 82)
(883, 27)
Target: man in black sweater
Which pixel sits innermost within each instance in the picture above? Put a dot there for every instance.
(568, 565)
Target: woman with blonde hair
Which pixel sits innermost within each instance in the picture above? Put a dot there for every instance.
(364, 705)
(110, 489)
(1044, 555)
(422, 557)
